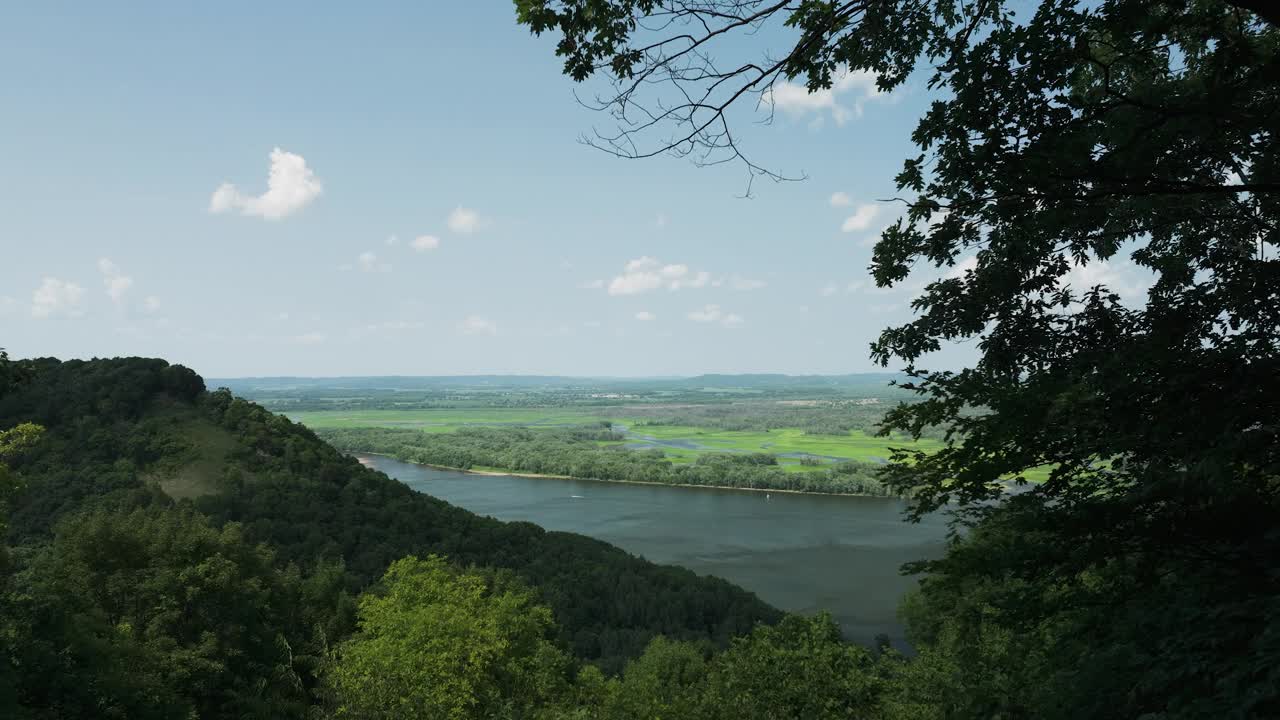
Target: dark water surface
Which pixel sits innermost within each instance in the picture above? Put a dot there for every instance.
(801, 553)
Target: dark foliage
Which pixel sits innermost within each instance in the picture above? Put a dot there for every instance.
(114, 426)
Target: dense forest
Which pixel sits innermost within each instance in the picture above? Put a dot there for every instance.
(574, 452)
(173, 552)
(176, 543)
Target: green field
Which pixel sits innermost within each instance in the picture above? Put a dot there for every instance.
(854, 446)
(680, 443)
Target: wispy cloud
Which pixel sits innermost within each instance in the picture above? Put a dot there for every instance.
(849, 93)
(311, 338)
(841, 199)
(861, 218)
(644, 274)
(56, 297)
(291, 186)
(1122, 277)
(962, 268)
(478, 325)
(114, 279)
(464, 220)
(368, 262)
(645, 316)
(389, 327)
(423, 243)
(715, 314)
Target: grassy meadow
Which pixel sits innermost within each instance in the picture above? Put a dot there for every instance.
(679, 443)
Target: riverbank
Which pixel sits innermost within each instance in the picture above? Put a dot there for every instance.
(544, 476)
(799, 552)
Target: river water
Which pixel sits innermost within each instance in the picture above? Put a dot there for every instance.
(801, 553)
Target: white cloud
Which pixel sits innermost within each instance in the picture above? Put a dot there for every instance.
(151, 304)
(645, 316)
(464, 220)
(311, 338)
(115, 281)
(394, 326)
(795, 99)
(393, 240)
(1122, 277)
(423, 243)
(592, 285)
(960, 269)
(737, 282)
(660, 221)
(715, 314)
(478, 325)
(645, 273)
(291, 186)
(56, 297)
(861, 218)
(7, 305)
(828, 291)
(368, 262)
(841, 199)
(592, 324)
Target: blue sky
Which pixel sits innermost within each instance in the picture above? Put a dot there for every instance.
(443, 121)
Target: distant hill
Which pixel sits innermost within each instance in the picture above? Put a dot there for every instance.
(139, 433)
(253, 385)
(791, 381)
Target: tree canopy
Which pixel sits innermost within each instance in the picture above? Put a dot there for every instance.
(437, 643)
(1064, 136)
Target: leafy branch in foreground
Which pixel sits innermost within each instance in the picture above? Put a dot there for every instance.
(1102, 182)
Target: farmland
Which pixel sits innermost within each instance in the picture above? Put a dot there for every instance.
(680, 443)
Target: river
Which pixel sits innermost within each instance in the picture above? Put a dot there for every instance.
(801, 553)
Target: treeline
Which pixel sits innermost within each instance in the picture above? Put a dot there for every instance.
(830, 416)
(157, 613)
(439, 643)
(857, 405)
(574, 452)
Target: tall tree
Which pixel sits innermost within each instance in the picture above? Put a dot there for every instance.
(154, 613)
(440, 643)
(1065, 136)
